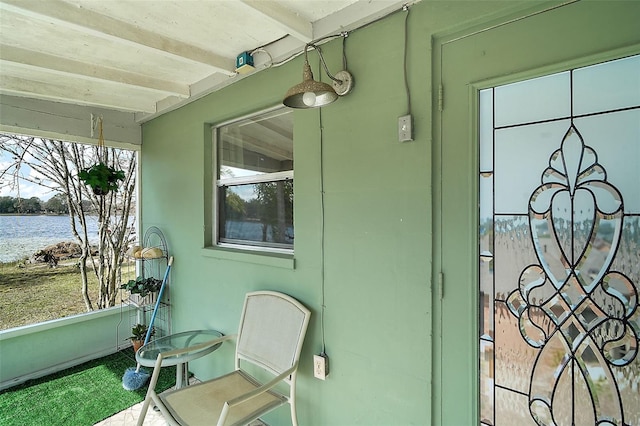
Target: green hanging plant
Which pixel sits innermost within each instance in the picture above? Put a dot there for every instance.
(101, 178)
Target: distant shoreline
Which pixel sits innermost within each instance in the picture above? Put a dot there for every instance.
(43, 214)
(34, 214)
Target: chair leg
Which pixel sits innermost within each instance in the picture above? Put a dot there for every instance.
(294, 414)
(149, 397)
(143, 411)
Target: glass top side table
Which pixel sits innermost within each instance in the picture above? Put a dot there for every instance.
(148, 353)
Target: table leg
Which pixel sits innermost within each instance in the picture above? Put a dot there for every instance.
(179, 375)
(182, 375)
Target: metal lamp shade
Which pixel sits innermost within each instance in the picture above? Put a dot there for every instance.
(324, 93)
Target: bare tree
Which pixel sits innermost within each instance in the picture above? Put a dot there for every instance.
(57, 164)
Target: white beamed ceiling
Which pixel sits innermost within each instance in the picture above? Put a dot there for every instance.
(147, 57)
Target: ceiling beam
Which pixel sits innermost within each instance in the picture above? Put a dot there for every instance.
(288, 21)
(90, 22)
(67, 122)
(61, 66)
(54, 91)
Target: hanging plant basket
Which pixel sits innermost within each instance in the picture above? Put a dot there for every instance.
(101, 178)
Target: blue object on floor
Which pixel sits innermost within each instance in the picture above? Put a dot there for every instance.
(134, 378)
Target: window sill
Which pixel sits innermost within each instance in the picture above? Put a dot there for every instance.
(277, 260)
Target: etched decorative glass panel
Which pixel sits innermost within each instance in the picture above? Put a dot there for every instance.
(559, 237)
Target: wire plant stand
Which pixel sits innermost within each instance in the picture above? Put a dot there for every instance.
(151, 260)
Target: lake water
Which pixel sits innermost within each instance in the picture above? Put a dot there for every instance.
(21, 236)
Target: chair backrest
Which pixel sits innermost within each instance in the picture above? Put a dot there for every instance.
(272, 329)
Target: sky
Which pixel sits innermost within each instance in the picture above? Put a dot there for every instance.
(27, 189)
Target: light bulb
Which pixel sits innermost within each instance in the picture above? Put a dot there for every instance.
(309, 98)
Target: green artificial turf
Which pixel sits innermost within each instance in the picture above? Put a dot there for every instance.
(81, 395)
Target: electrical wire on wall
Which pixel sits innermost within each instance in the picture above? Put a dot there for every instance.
(323, 352)
(344, 50)
(404, 65)
(405, 122)
(322, 236)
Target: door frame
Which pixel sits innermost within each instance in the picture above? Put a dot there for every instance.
(502, 51)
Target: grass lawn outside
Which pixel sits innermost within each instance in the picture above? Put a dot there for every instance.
(34, 293)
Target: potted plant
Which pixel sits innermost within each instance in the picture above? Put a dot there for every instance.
(142, 287)
(138, 334)
(101, 178)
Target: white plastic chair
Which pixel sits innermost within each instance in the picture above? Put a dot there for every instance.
(270, 335)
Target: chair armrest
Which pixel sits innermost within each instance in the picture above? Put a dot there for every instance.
(262, 389)
(252, 394)
(193, 348)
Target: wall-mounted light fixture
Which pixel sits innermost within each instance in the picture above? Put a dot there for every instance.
(313, 94)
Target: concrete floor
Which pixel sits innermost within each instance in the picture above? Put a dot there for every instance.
(129, 417)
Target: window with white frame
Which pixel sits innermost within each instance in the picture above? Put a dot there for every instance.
(254, 181)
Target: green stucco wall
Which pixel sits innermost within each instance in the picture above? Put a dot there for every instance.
(378, 220)
(377, 229)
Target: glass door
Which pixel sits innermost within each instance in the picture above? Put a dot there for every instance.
(537, 220)
(559, 237)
